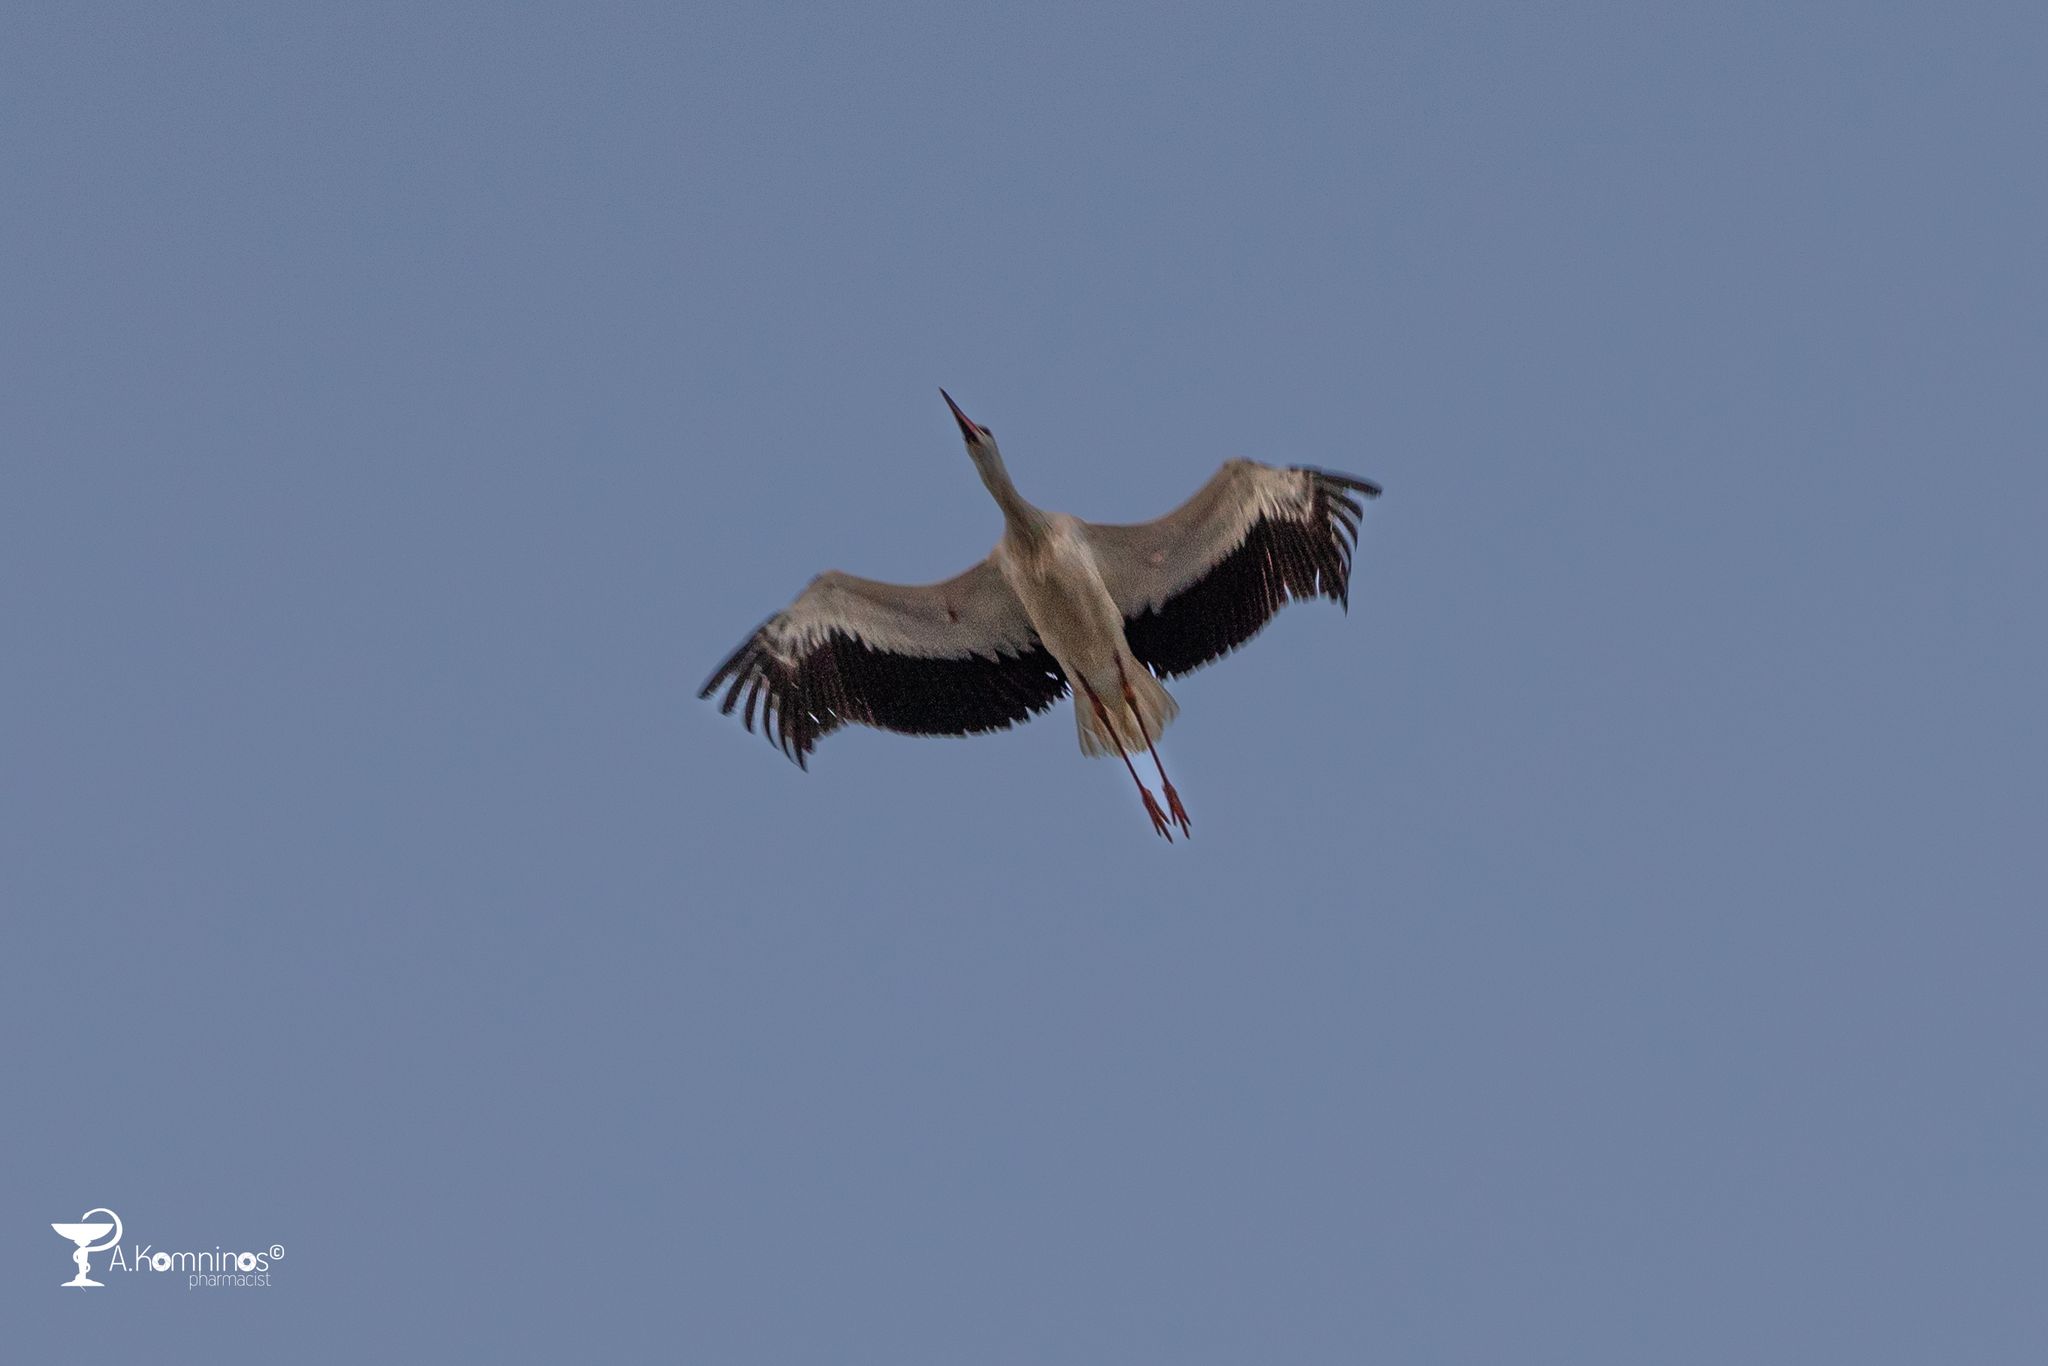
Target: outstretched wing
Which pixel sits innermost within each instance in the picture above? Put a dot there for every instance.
(951, 658)
(1205, 578)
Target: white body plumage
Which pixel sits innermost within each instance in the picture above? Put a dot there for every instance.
(1060, 584)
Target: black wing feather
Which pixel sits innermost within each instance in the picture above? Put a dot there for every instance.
(1280, 559)
(841, 679)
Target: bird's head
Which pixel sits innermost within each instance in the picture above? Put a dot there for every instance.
(981, 442)
(1023, 519)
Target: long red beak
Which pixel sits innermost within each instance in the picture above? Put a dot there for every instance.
(967, 427)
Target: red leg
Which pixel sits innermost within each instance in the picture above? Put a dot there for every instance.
(1180, 813)
(1151, 805)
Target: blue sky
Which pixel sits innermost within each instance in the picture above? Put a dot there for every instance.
(1617, 939)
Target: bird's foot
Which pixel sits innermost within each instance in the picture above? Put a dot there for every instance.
(1159, 825)
(1180, 813)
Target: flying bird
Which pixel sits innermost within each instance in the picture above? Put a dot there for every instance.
(1105, 609)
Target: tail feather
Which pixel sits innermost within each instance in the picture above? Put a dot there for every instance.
(1155, 705)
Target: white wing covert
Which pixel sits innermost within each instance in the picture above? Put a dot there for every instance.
(1207, 577)
(951, 658)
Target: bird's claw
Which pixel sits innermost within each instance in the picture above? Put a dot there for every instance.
(1180, 813)
(1159, 825)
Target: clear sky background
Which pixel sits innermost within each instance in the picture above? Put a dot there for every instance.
(1618, 940)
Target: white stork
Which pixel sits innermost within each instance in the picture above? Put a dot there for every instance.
(1059, 601)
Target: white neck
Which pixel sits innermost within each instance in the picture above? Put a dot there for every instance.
(1026, 522)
